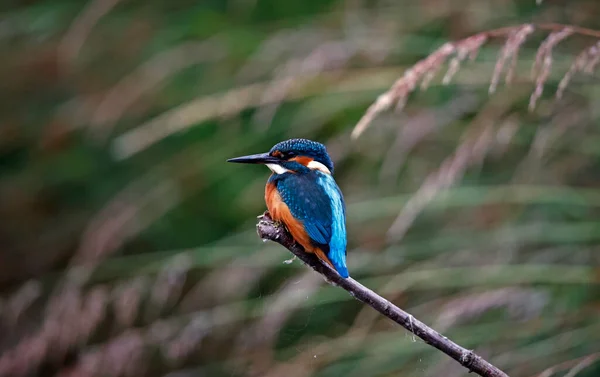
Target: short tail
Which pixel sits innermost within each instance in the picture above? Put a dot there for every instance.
(339, 266)
(342, 270)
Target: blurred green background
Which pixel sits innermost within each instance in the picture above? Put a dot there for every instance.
(128, 245)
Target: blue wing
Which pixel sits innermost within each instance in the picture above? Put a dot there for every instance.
(316, 200)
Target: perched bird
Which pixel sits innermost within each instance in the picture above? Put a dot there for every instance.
(302, 194)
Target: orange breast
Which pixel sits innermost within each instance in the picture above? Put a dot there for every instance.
(280, 212)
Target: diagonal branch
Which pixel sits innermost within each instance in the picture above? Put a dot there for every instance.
(269, 230)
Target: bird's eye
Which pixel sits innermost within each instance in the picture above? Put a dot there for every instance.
(289, 155)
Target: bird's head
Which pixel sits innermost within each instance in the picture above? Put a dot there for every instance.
(294, 155)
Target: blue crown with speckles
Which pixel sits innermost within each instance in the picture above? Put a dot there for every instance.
(304, 147)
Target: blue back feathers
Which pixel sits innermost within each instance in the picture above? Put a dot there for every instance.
(337, 243)
(303, 147)
(314, 198)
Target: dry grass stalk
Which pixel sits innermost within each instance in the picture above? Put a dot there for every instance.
(404, 86)
(418, 127)
(594, 52)
(474, 150)
(586, 61)
(81, 28)
(543, 63)
(185, 115)
(69, 319)
(469, 47)
(130, 353)
(510, 50)
(279, 47)
(20, 301)
(72, 316)
(226, 105)
(474, 305)
(569, 364)
(481, 137)
(327, 56)
(126, 298)
(546, 137)
(263, 334)
(168, 286)
(471, 151)
(188, 340)
(425, 70)
(125, 356)
(147, 78)
(128, 213)
(546, 48)
(582, 365)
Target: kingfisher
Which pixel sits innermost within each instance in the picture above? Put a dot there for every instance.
(302, 194)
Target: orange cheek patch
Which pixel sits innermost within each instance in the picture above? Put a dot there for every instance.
(302, 160)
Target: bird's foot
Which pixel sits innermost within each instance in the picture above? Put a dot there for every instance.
(289, 261)
(265, 216)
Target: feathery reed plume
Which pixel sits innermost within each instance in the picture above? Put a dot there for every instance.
(479, 141)
(61, 329)
(573, 366)
(404, 86)
(81, 28)
(73, 315)
(470, 47)
(148, 77)
(425, 70)
(586, 62)
(594, 52)
(543, 62)
(418, 127)
(279, 47)
(582, 365)
(510, 50)
(126, 298)
(469, 306)
(264, 333)
(168, 286)
(471, 151)
(21, 300)
(546, 139)
(474, 149)
(129, 212)
(127, 355)
(326, 56)
(188, 339)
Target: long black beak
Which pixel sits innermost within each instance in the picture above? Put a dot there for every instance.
(261, 158)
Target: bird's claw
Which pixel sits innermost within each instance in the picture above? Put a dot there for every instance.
(289, 261)
(265, 216)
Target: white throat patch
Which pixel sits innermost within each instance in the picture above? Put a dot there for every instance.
(277, 169)
(316, 165)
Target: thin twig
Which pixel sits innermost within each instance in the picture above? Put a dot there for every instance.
(268, 230)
